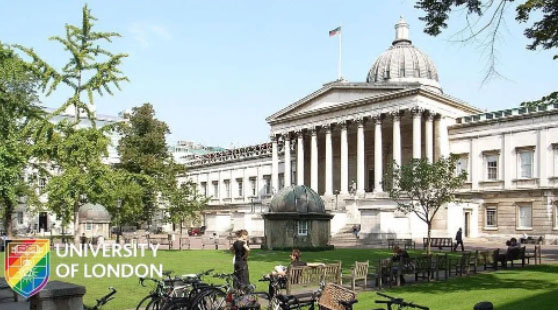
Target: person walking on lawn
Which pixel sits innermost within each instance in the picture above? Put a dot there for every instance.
(459, 240)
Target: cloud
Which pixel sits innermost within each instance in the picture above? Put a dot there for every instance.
(144, 33)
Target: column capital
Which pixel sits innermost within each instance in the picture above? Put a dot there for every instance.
(377, 118)
(314, 130)
(359, 121)
(299, 133)
(286, 136)
(343, 124)
(429, 116)
(396, 115)
(328, 127)
(417, 111)
(273, 138)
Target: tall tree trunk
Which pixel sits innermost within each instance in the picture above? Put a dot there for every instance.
(76, 224)
(428, 251)
(180, 236)
(8, 213)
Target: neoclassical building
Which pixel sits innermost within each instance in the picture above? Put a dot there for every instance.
(339, 140)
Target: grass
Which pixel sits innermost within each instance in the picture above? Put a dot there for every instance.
(529, 288)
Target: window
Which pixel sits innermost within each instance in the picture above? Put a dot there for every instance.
(302, 228)
(227, 188)
(88, 227)
(281, 180)
(555, 159)
(20, 218)
(216, 189)
(267, 184)
(204, 188)
(240, 187)
(525, 164)
(42, 183)
(462, 164)
(492, 167)
(524, 216)
(491, 217)
(253, 186)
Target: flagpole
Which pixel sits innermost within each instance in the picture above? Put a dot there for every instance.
(339, 60)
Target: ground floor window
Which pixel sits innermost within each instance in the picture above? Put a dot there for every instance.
(302, 228)
(20, 218)
(88, 227)
(491, 216)
(524, 216)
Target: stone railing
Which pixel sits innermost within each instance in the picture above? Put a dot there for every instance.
(488, 116)
(253, 151)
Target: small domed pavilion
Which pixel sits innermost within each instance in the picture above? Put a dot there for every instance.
(297, 219)
(94, 220)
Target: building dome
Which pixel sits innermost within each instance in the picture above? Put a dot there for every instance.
(93, 213)
(297, 199)
(404, 63)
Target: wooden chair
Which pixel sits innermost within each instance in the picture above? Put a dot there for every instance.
(334, 297)
(359, 272)
(331, 273)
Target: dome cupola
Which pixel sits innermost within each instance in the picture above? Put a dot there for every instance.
(404, 63)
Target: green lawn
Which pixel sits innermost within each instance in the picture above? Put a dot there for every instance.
(530, 288)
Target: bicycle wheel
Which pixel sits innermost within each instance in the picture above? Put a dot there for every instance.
(176, 305)
(209, 299)
(144, 302)
(155, 304)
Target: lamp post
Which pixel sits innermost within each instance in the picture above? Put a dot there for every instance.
(118, 207)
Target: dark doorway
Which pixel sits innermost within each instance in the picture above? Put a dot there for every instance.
(43, 221)
(370, 180)
(467, 223)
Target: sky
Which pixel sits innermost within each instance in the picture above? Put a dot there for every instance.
(214, 70)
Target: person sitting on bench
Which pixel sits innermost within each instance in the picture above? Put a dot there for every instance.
(399, 255)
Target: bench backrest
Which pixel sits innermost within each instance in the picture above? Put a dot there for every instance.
(306, 276)
(332, 295)
(439, 242)
(360, 271)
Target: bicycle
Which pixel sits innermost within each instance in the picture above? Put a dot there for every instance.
(102, 301)
(398, 302)
(277, 301)
(166, 290)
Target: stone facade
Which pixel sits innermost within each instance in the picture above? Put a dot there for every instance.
(339, 140)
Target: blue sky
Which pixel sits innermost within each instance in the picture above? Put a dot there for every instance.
(215, 69)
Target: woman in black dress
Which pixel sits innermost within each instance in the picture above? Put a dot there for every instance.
(241, 250)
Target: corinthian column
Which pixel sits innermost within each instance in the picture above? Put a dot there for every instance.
(428, 133)
(443, 137)
(397, 137)
(287, 158)
(344, 159)
(417, 113)
(314, 159)
(274, 164)
(378, 160)
(360, 156)
(300, 158)
(328, 162)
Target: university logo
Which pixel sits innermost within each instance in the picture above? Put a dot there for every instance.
(27, 265)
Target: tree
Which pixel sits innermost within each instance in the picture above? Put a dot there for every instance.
(543, 33)
(18, 114)
(422, 187)
(144, 152)
(90, 67)
(81, 176)
(185, 202)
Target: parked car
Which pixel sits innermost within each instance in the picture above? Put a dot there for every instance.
(196, 231)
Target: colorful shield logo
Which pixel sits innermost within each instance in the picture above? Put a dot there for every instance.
(27, 265)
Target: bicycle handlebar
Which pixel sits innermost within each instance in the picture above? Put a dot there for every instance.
(398, 301)
(103, 300)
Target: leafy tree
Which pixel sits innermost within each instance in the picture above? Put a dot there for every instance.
(544, 101)
(422, 187)
(144, 152)
(90, 67)
(18, 114)
(185, 202)
(81, 176)
(543, 32)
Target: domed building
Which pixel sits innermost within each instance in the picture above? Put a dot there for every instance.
(94, 221)
(296, 219)
(339, 140)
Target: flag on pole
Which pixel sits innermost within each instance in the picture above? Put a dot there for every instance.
(335, 31)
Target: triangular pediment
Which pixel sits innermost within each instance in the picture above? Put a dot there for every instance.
(332, 95)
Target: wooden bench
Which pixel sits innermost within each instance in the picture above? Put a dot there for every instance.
(334, 296)
(402, 243)
(536, 254)
(512, 255)
(488, 259)
(303, 277)
(439, 243)
(359, 273)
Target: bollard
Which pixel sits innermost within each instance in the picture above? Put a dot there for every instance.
(485, 305)
(58, 295)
